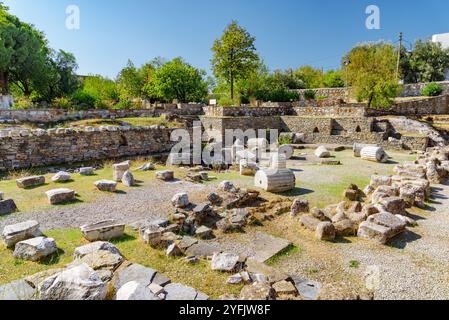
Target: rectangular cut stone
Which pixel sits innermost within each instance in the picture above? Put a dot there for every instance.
(62, 195)
(103, 231)
(267, 246)
(21, 231)
(29, 182)
(374, 232)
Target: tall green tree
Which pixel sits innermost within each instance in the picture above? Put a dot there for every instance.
(130, 81)
(427, 62)
(234, 55)
(312, 77)
(372, 73)
(178, 80)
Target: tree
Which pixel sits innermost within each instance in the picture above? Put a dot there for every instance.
(312, 78)
(103, 89)
(234, 55)
(427, 62)
(372, 73)
(130, 81)
(333, 79)
(178, 80)
(22, 52)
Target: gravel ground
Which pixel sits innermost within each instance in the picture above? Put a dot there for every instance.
(139, 203)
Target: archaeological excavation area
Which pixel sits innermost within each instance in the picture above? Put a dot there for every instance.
(344, 204)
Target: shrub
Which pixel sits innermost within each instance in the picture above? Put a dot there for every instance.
(278, 95)
(309, 94)
(62, 103)
(284, 140)
(82, 100)
(228, 102)
(432, 90)
(123, 104)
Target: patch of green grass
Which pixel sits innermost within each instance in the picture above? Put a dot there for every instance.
(288, 252)
(354, 264)
(35, 198)
(199, 276)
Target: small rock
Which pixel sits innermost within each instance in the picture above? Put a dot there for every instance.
(128, 179)
(19, 290)
(147, 167)
(180, 200)
(106, 185)
(325, 231)
(235, 279)
(7, 207)
(136, 292)
(214, 198)
(228, 186)
(94, 247)
(204, 232)
(284, 287)
(166, 175)
(299, 206)
(173, 251)
(119, 169)
(86, 171)
(61, 176)
(225, 262)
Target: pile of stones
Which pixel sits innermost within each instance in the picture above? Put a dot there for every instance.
(27, 241)
(379, 213)
(99, 272)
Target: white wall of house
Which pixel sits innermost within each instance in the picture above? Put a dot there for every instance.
(442, 38)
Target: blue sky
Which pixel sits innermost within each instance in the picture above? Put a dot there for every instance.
(289, 33)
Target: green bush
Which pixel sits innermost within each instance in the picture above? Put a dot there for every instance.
(309, 94)
(225, 101)
(279, 95)
(432, 90)
(124, 104)
(62, 103)
(82, 100)
(284, 140)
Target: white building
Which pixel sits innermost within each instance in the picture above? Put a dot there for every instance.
(442, 38)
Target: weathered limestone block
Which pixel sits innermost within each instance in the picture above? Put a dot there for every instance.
(35, 249)
(58, 196)
(345, 228)
(225, 262)
(166, 175)
(119, 169)
(102, 260)
(375, 232)
(103, 231)
(412, 170)
(86, 171)
(106, 185)
(61, 176)
(176, 291)
(128, 179)
(77, 283)
(7, 207)
(275, 180)
(21, 231)
(93, 247)
(375, 154)
(29, 182)
(325, 231)
(228, 186)
(388, 220)
(322, 152)
(132, 272)
(135, 291)
(300, 206)
(180, 200)
(394, 205)
(147, 167)
(309, 222)
(153, 236)
(204, 232)
(19, 290)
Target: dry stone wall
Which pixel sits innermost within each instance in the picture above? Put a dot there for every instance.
(31, 148)
(46, 116)
(415, 89)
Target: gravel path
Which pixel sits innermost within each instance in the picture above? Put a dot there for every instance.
(139, 203)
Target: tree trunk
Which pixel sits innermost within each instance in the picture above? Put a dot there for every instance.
(4, 83)
(232, 87)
